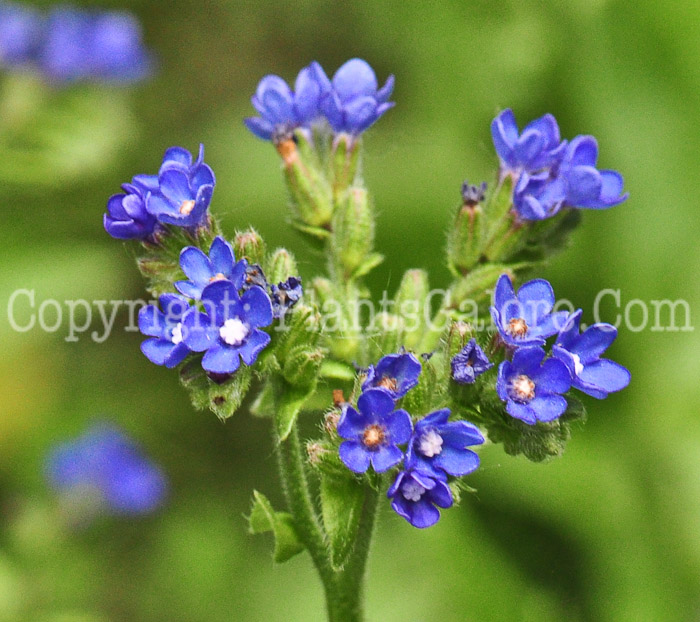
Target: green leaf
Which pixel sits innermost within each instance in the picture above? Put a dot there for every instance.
(290, 401)
(263, 518)
(369, 264)
(335, 370)
(341, 506)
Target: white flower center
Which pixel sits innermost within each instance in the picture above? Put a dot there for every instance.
(430, 444)
(233, 332)
(578, 365)
(176, 334)
(412, 490)
(523, 388)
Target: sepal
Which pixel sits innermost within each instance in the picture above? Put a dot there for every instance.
(249, 245)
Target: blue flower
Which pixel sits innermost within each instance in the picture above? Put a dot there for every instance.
(586, 186)
(540, 195)
(525, 319)
(531, 388)
(107, 463)
(20, 34)
(373, 433)
(581, 354)
(127, 217)
(395, 373)
(415, 496)
(539, 146)
(182, 190)
(280, 108)
(439, 446)
(469, 363)
(353, 100)
(167, 345)
(202, 270)
(285, 295)
(82, 45)
(230, 330)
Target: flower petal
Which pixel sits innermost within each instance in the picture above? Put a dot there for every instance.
(157, 350)
(522, 412)
(352, 424)
(253, 345)
(603, 377)
(260, 127)
(553, 377)
(175, 186)
(221, 256)
(355, 79)
(354, 456)
(399, 426)
(196, 265)
(456, 462)
(385, 457)
(221, 359)
(375, 403)
(256, 306)
(548, 407)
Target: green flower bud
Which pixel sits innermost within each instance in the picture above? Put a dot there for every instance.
(466, 238)
(411, 303)
(281, 265)
(345, 158)
(458, 336)
(249, 245)
(388, 331)
(353, 232)
(309, 190)
(301, 366)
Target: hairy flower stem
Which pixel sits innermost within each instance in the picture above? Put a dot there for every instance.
(344, 588)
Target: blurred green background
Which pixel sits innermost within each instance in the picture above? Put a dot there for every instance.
(611, 531)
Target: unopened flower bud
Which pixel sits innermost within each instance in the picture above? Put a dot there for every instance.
(345, 157)
(410, 304)
(281, 266)
(249, 244)
(353, 227)
(466, 238)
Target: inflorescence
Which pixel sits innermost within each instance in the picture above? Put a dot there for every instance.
(428, 398)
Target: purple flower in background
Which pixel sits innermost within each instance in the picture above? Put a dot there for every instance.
(539, 146)
(230, 329)
(440, 447)
(586, 186)
(525, 319)
(469, 363)
(532, 389)
(127, 217)
(581, 354)
(285, 295)
(201, 269)
(395, 373)
(280, 108)
(166, 346)
(540, 195)
(182, 190)
(20, 34)
(373, 432)
(106, 463)
(415, 496)
(85, 45)
(353, 100)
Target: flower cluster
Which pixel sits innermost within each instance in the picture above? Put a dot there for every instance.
(551, 173)
(435, 447)
(178, 195)
(531, 385)
(106, 467)
(70, 44)
(350, 103)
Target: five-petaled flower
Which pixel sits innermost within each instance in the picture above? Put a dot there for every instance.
(525, 318)
(127, 216)
(105, 463)
(581, 354)
(282, 109)
(440, 447)
(532, 388)
(166, 346)
(182, 190)
(539, 146)
(373, 432)
(394, 373)
(353, 99)
(229, 330)
(414, 496)
(201, 269)
(469, 363)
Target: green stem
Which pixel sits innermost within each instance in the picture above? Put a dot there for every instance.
(296, 488)
(343, 589)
